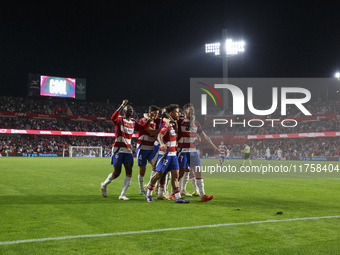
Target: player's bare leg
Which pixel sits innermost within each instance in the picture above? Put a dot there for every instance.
(151, 186)
(183, 182)
(245, 161)
(186, 179)
(175, 186)
(127, 180)
(192, 177)
(166, 187)
(110, 178)
(142, 170)
(172, 196)
(181, 174)
(161, 188)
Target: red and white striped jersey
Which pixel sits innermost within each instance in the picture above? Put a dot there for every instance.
(187, 135)
(124, 131)
(145, 140)
(222, 149)
(169, 139)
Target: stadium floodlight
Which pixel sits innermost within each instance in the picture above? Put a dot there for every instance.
(213, 48)
(337, 75)
(225, 49)
(231, 47)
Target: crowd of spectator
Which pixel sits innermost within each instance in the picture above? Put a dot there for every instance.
(17, 144)
(44, 144)
(329, 147)
(108, 126)
(29, 123)
(30, 105)
(298, 147)
(75, 107)
(305, 147)
(45, 105)
(56, 124)
(301, 127)
(276, 128)
(83, 108)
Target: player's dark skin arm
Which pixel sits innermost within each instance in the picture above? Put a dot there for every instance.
(125, 102)
(128, 166)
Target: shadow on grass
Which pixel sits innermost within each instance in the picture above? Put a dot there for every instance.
(89, 199)
(66, 199)
(217, 202)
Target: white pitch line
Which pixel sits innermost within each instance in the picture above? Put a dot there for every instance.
(162, 230)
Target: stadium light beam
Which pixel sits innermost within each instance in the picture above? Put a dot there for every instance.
(225, 48)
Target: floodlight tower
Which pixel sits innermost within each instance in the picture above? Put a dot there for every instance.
(225, 49)
(337, 75)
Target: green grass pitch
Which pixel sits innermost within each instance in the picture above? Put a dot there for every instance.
(58, 197)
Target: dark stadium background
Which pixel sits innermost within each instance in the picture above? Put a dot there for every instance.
(148, 50)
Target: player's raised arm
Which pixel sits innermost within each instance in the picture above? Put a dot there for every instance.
(115, 115)
(150, 118)
(145, 125)
(207, 139)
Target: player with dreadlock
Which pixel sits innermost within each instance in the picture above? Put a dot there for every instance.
(121, 151)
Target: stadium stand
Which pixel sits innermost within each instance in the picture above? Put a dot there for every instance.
(73, 115)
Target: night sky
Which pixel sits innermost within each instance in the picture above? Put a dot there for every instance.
(147, 51)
